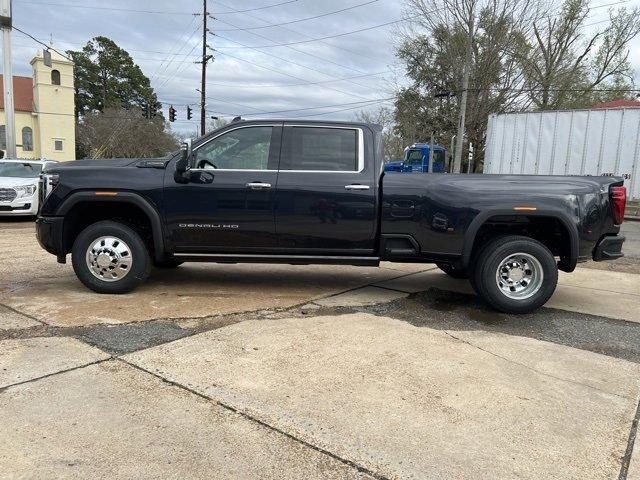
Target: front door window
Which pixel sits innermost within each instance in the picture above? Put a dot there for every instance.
(240, 149)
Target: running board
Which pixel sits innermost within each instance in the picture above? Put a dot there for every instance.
(287, 259)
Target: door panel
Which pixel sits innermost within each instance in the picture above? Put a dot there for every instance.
(320, 204)
(236, 211)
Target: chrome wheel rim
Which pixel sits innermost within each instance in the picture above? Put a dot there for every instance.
(519, 276)
(109, 259)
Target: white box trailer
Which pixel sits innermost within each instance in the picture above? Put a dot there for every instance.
(567, 142)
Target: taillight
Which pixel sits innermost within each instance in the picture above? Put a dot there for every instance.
(619, 202)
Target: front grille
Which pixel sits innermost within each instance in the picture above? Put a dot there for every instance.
(7, 194)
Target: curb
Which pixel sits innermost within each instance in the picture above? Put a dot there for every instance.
(632, 218)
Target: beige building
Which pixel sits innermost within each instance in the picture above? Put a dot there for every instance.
(44, 105)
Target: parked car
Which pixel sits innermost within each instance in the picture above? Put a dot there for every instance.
(416, 159)
(19, 186)
(301, 192)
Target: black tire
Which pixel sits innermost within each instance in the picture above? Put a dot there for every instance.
(140, 262)
(453, 272)
(167, 263)
(489, 260)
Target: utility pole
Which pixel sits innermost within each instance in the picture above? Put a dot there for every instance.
(10, 129)
(457, 164)
(204, 61)
(430, 164)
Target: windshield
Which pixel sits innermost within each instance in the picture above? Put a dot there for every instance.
(414, 156)
(20, 170)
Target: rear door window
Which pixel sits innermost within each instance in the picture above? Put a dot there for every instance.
(321, 149)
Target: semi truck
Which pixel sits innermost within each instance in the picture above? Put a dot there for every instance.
(416, 159)
(597, 142)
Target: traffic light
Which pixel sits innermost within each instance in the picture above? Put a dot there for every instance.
(172, 114)
(189, 112)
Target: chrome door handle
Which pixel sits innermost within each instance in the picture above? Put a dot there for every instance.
(258, 185)
(356, 187)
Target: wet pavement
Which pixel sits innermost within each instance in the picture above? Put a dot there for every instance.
(232, 371)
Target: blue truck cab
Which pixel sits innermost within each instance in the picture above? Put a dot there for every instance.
(416, 159)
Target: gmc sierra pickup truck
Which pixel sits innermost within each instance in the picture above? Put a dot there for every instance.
(300, 192)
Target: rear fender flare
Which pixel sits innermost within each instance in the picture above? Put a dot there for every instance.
(565, 220)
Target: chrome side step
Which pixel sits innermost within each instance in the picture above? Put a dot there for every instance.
(289, 259)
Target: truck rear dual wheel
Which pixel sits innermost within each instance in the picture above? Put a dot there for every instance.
(515, 274)
(110, 257)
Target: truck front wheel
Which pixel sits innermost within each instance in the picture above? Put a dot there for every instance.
(110, 257)
(515, 274)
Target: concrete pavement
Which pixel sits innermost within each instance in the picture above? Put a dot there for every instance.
(232, 371)
(411, 402)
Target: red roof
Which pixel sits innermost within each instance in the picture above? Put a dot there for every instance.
(22, 93)
(620, 103)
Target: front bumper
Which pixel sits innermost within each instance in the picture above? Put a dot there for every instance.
(20, 206)
(609, 248)
(50, 235)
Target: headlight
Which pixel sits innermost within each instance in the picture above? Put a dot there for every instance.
(48, 183)
(25, 190)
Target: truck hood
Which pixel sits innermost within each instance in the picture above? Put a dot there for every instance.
(103, 163)
(17, 181)
(99, 163)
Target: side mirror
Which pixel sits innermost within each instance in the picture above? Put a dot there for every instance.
(182, 165)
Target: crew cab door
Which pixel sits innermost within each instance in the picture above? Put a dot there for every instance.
(235, 212)
(326, 195)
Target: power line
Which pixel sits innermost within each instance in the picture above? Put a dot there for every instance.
(304, 35)
(187, 39)
(290, 48)
(41, 43)
(300, 19)
(258, 8)
(358, 105)
(295, 63)
(302, 84)
(185, 60)
(337, 111)
(281, 72)
(286, 44)
(96, 7)
(159, 12)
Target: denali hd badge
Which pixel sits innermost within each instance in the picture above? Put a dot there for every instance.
(207, 225)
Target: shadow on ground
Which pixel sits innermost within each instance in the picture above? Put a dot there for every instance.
(452, 311)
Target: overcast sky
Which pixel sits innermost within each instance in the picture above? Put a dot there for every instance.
(164, 38)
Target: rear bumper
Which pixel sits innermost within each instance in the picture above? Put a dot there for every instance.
(609, 248)
(49, 232)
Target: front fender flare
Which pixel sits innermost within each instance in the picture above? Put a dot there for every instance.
(122, 197)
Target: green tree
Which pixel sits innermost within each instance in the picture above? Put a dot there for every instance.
(434, 61)
(124, 133)
(107, 77)
(566, 66)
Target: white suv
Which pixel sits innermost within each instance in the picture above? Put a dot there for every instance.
(19, 186)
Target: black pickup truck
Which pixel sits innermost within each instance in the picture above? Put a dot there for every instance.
(301, 192)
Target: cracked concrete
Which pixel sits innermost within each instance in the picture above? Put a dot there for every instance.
(431, 396)
(132, 425)
(26, 359)
(12, 320)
